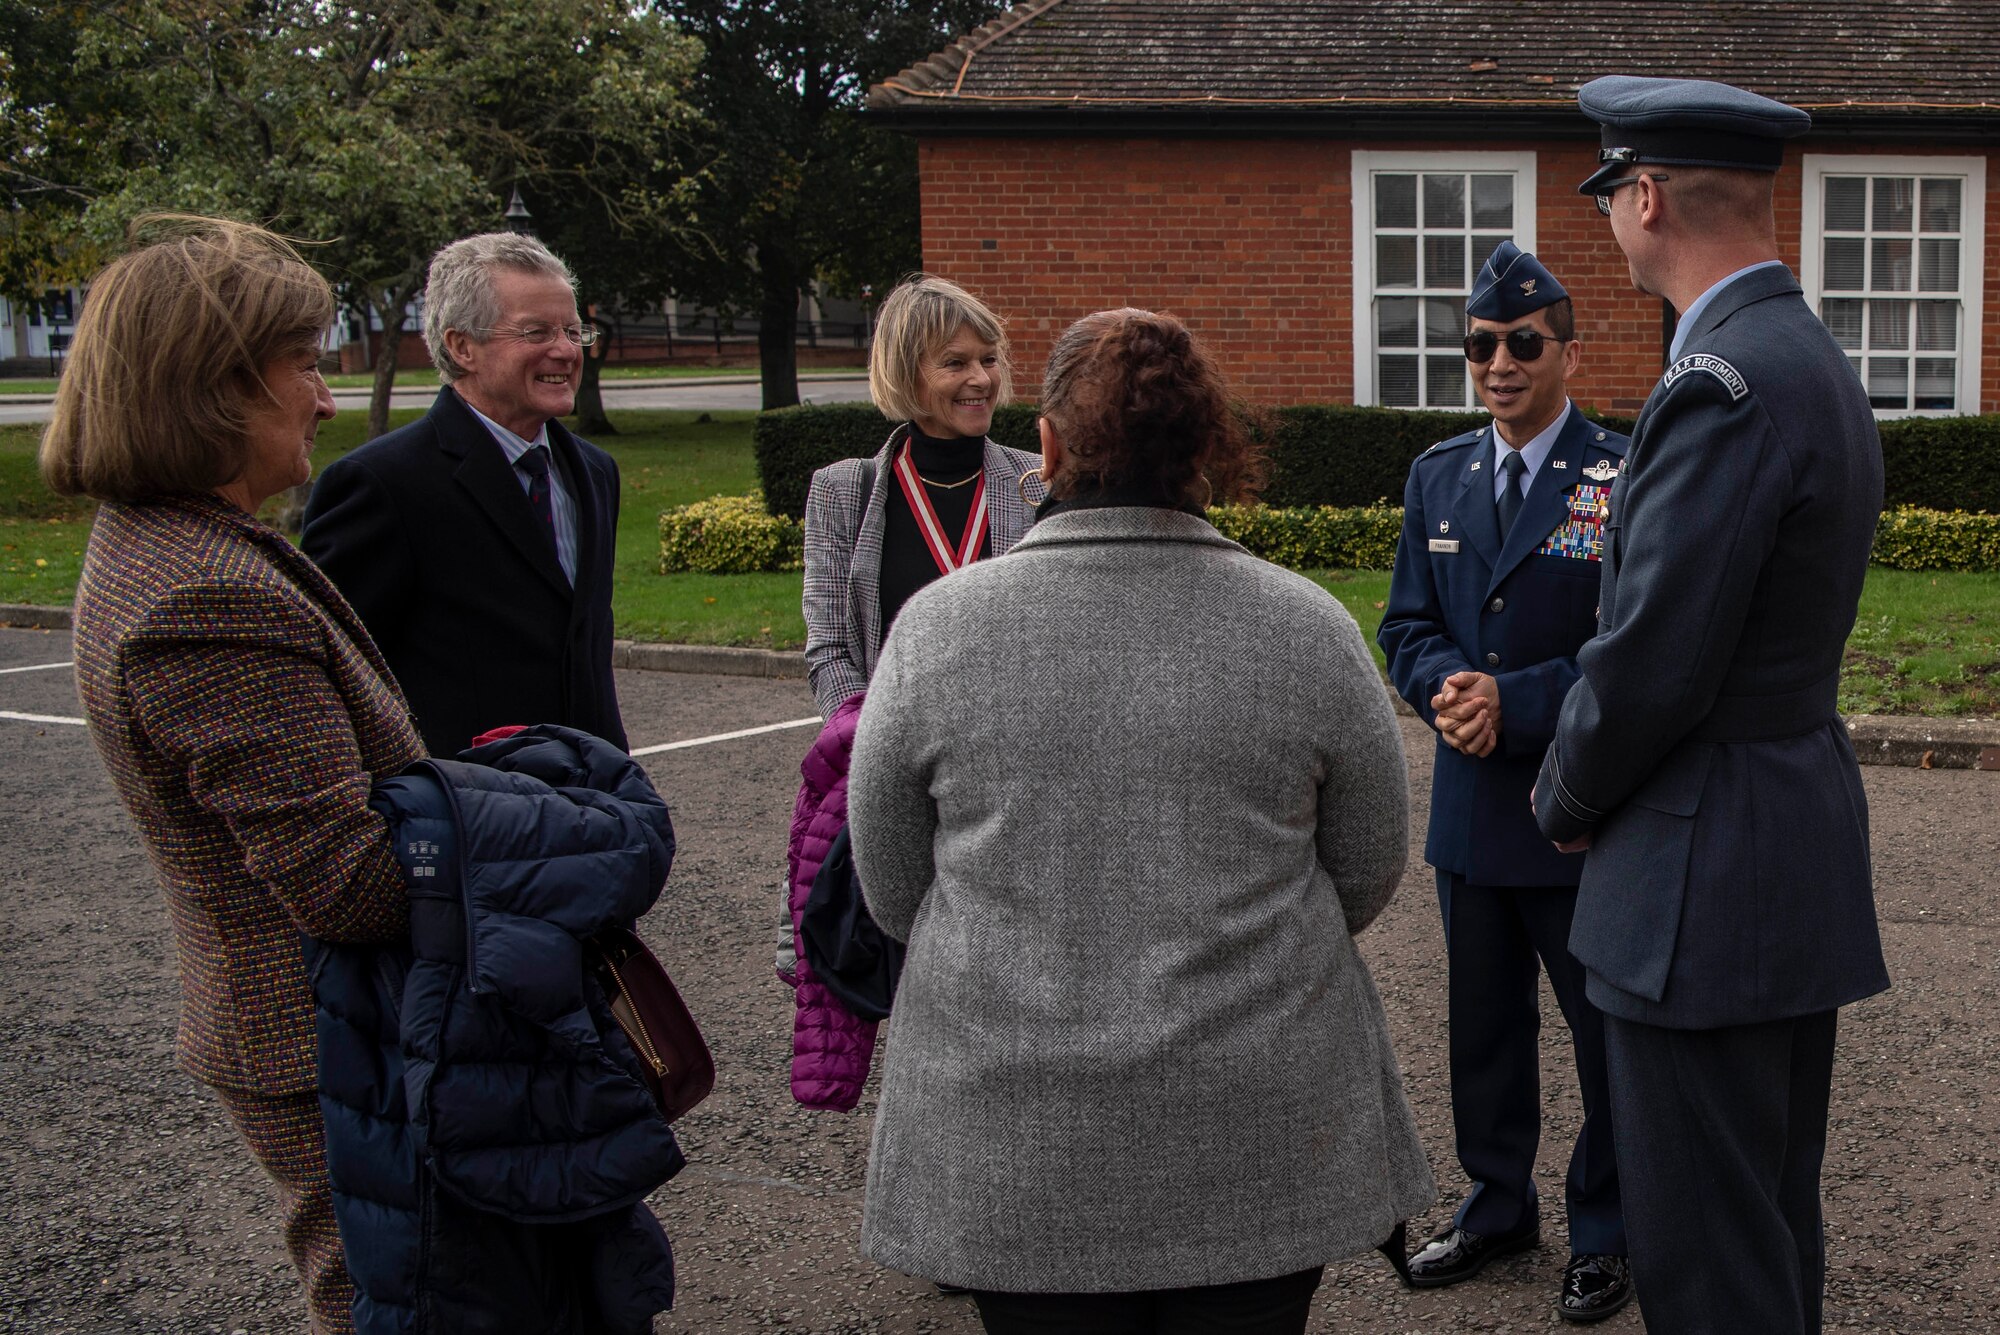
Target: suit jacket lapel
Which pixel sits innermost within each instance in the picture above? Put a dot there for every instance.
(1472, 518)
(1547, 502)
(864, 576)
(484, 473)
(1007, 510)
(581, 484)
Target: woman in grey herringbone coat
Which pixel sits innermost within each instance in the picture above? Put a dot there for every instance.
(1129, 794)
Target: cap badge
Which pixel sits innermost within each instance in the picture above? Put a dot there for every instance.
(1528, 288)
(1601, 471)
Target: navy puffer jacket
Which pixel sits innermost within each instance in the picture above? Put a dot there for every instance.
(490, 1142)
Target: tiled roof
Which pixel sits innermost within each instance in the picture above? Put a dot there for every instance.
(1846, 57)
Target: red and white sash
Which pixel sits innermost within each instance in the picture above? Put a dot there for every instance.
(947, 557)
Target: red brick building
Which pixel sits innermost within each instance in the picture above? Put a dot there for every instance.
(1312, 185)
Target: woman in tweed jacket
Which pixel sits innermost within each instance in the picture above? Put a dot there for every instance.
(1129, 795)
(938, 368)
(239, 705)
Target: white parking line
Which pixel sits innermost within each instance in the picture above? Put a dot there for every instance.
(41, 718)
(726, 736)
(36, 667)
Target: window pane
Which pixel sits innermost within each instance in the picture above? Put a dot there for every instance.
(1493, 201)
(1444, 322)
(1483, 246)
(1396, 261)
(1846, 203)
(1843, 263)
(1937, 326)
(1396, 381)
(1895, 197)
(1940, 211)
(1444, 381)
(1444, 262)
(1843, 319)
(1444, 201)
(1888, 324)
(1396, 322)
(1395, 201)
(1888, 382)
(1855, 362)
(1889, 266)
(1937, 383)
(1937, 266)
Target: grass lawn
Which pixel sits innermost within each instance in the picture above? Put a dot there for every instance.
(427, 379)
(1924, 643)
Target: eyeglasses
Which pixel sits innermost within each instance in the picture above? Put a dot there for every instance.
(1523, 345)
(541, 335)
(1609, 188)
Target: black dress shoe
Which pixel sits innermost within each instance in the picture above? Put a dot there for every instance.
(1456, 1254)
(1594, 1287)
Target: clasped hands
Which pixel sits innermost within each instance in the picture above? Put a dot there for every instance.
(1468, 713)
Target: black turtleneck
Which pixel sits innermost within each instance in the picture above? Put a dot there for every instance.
(907, 564)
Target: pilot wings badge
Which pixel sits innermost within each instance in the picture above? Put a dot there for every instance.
(1601, 471)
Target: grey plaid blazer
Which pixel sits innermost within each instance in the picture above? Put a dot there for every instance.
(843, 603)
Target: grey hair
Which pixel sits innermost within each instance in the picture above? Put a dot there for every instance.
(459, 294)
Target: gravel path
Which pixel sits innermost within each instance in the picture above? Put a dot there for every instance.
(126, 1204)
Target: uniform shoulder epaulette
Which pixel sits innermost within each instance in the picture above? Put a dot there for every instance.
(1455, 441)
(1707, 363)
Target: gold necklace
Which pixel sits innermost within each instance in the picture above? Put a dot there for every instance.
(950, 486)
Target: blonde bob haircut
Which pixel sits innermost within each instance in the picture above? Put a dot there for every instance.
(168, 354)
(921, 316)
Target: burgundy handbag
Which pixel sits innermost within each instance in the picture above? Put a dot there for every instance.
(675, 1062)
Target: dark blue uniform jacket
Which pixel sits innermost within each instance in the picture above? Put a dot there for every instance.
(489, 1140)
(1461, 600)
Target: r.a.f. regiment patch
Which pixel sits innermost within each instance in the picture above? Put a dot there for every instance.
(1715, 366)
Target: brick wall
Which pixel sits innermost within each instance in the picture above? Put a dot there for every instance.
(1248, 241)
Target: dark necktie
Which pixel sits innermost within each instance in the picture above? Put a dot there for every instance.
(1508, 504)
(535, 463)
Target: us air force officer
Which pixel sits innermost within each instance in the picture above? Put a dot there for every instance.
(1726, 909)
(1495, 590)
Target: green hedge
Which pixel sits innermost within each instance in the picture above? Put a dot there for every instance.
(1942, 463)
(1331, 454)
(729, 535)
(1913, 539)
(1315, 537)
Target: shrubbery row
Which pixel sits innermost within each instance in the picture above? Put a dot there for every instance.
(730, 535)
(1342, 456)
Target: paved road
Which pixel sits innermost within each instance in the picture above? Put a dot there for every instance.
(744, 394)
(126, 1206)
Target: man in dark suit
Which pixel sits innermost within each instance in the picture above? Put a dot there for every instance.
(477, 543)
(1495, 590)
(1726, 909)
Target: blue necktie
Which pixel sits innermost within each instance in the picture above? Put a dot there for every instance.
(1508, 504)
(535, 463)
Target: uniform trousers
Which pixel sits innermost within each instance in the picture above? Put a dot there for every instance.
(287, 1136)
(1721, 1133)
(1498, 939)
(1278, 1306)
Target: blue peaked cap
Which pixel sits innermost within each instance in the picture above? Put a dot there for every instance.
(1692, 122)
(1512, 286)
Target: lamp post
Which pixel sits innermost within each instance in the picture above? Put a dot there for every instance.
(519, 220)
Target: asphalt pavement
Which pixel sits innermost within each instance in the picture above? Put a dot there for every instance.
(126, 1205)
(741, 393)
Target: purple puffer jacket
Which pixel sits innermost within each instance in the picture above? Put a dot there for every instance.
(831, 1048)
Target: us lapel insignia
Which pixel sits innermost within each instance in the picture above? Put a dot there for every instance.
(1601, 471)
(1474, 468)
(1444, 526)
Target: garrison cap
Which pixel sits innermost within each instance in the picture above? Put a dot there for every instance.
(1512, 285)
(1690, 122)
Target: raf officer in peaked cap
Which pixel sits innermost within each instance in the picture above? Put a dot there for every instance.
(1495, 590)
(1726, 910)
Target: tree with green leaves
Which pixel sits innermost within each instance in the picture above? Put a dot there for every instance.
(797, 191)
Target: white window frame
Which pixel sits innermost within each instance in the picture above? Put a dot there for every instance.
(1816, 167)
(1367, 162)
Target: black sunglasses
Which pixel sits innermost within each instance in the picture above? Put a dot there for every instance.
(1523, 345)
